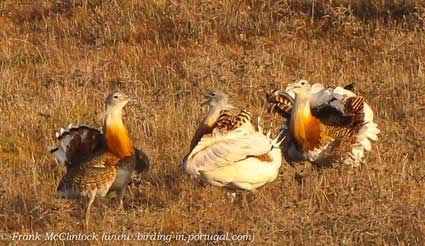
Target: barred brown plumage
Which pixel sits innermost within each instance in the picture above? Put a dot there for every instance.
(279, 103)
(98, 161)
(225, 120)
(240, 119)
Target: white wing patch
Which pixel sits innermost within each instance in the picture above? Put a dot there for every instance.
(58, 153)
(369, 131)
(218, 151)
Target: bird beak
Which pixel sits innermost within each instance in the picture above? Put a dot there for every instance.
(131, 99)
(206, 101)
(203, 103)
(290, 87)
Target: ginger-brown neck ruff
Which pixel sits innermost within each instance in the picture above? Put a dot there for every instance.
(116, 134)
(304, 126)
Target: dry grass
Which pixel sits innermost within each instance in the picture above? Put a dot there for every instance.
(59, 59)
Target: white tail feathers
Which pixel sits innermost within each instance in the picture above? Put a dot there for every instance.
(275, 141)
(259, 124)
(269, 132)
(58, 153)
(369, 132)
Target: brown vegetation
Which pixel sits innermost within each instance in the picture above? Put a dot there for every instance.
(60, 58)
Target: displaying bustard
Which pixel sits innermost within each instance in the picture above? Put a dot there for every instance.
(98, 161)
(324, 125)
(228, 150)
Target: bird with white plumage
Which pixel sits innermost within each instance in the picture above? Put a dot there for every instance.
(228, 150)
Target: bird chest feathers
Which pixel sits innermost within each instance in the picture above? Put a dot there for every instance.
(117, 138)
(305, 128)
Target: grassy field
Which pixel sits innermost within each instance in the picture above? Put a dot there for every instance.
(59, 59)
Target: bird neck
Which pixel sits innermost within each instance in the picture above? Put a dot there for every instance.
(304, 126)
(206, 126)
(116, 134)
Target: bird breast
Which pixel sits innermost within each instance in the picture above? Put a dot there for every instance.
(123, 177)
(304, 127)
(118, 140)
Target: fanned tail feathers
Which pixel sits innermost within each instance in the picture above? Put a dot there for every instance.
(76, 143)
(275, 141)
(368, 132)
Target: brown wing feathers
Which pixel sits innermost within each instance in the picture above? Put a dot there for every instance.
(353, 106)
(99, 172)
(224, 121)
(280, 103)
(227, 121)
(352, 119)
(242, 118)
(333, 123)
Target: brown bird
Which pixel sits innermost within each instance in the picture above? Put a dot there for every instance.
(324, 125)
(98, 161)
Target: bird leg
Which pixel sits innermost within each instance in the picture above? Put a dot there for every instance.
(119, 198)
(236, 194)
(232, 196)
(91, 196)
(244, 201)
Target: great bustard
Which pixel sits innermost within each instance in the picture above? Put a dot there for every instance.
(98, 161)
(228, 150)
(324, 125)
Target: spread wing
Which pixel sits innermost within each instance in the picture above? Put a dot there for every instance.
(347, 113)
(347, 116)
(218, 151)
(343, 116)
(331, 108)
(281, 102)
(368, 131)
(79, 143)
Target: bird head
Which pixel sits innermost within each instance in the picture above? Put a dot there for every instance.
(217, 100)
(116, 101)
(299, 87)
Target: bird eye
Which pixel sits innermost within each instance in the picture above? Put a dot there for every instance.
(212, 94)
(303, 83)
(115, 96)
